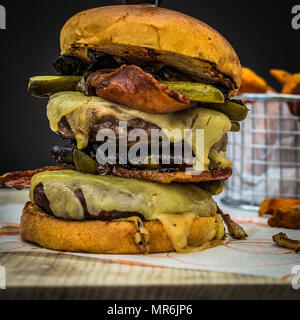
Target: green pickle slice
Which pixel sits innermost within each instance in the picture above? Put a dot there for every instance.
(234, 111)
(45, 86)
(235, 126)
(200, 92)
(212, 187)
(84, 163)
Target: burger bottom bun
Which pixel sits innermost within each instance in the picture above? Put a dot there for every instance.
(105, 237)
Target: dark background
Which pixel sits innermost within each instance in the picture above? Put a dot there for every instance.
(260, 31)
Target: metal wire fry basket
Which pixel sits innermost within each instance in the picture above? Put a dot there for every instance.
(266, 152)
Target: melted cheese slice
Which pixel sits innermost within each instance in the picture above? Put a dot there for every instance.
(109, 193)
(176, 206)
(81, 111)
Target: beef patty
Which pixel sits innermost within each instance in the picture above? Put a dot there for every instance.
(41, 200)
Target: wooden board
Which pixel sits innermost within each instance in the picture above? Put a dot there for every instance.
(46, 276)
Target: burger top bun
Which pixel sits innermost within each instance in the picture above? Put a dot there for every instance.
(142, 34)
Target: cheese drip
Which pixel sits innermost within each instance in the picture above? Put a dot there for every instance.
(178, 228)
(81, 111)
(176, 206)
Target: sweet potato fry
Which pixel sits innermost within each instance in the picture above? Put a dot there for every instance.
(285, 212)
(270, 206)
(281, 76)
(290, 85)
(282, 240)
(252, 83)
(286, 218)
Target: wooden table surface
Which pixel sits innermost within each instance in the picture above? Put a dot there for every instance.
(48, 276)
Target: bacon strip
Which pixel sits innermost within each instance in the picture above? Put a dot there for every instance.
(169, 177)
(131, 86)
(21, 179)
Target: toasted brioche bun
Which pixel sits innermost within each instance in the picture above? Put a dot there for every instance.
(147, 34)
(105, 237)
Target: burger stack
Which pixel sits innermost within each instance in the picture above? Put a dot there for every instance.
(123, 70)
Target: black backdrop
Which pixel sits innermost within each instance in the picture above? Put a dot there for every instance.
(260, 31)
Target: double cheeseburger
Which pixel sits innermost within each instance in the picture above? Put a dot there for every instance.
(154, 69)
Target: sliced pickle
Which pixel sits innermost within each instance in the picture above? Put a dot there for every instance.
(235, 126)
(212, 187)
(45, 86)
(233, 110)
(200, 92)
(84, 163)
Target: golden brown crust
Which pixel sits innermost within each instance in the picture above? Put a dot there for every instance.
(104, 237)
(147, 34)
(169, 177)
